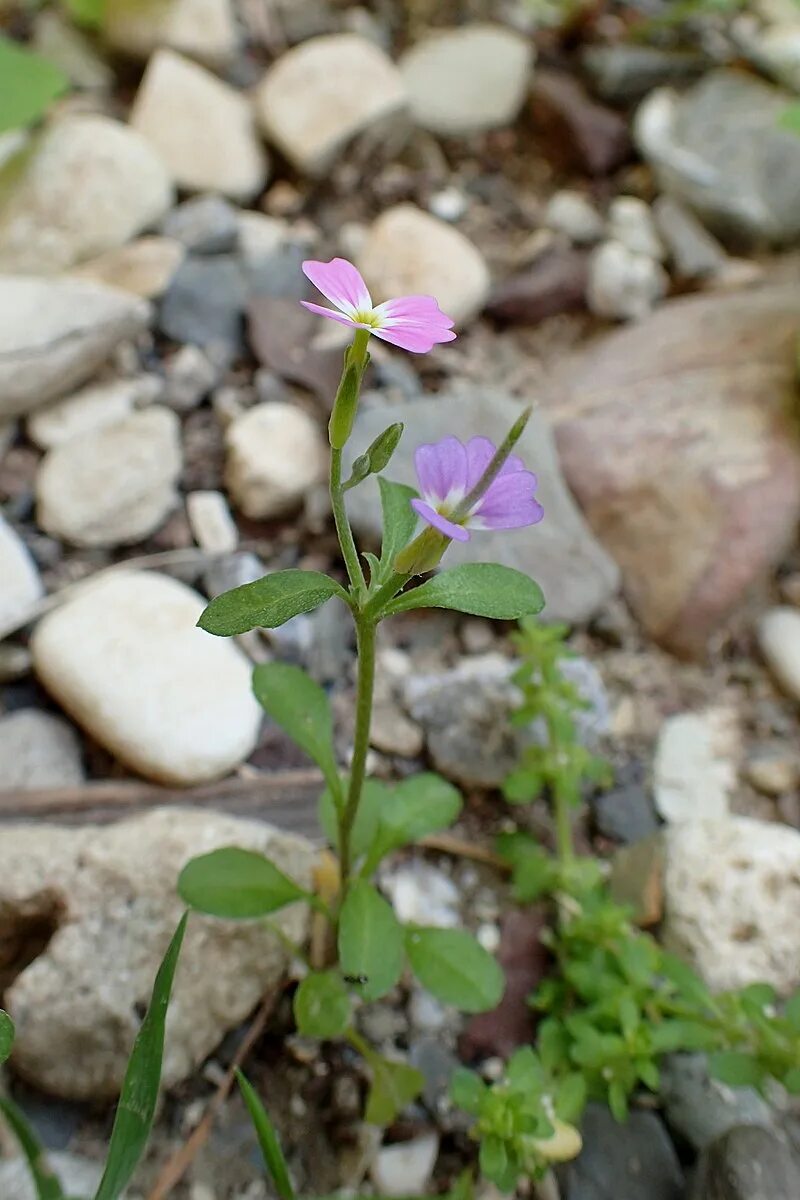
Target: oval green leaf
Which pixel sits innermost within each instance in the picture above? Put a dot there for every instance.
(455, 968)
(418, 806)
(374, 797)
(322, 1005)
(6, 1035)
(237, 884)
(394, 1085)
(370, 941)
(301, 708)
(481, 589)
(269, 602)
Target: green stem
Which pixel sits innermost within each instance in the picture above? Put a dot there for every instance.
(343, 530)
(564, 846)
(385, 593)
(365, 631)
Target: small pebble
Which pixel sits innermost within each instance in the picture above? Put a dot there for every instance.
(572, 214)
(405, 1168)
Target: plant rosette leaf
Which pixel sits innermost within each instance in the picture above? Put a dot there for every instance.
(237, 884)
(455, 968)
(322, 1005)
(28, 85)
(370, 941)
(375, 796)
(394, 1085)
(6, 1035)
(267, 1139)
(301, 708)
(480, 589)
(418, 806)
(269, 602)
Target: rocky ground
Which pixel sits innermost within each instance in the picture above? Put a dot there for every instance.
(610, 210)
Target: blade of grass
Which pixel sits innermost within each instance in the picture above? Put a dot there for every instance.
(44, 1181)
(267, 1139)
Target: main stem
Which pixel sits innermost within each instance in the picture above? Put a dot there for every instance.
(365, 645)
(343, 530)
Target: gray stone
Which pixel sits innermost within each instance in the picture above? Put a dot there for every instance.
(721, 149)
(38, 750)
(205, 302)
(111, 897)
(22, 587)
(700, 1108)
(576, 575)
(54, 333)
(437, 1063)
(694, 253)
(78, 1177)
(190, 376)
(625, 813)
(747, 1163)
(623, 72)
(630, 1161)
(204, 225)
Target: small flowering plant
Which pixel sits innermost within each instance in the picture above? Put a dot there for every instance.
(464, 487)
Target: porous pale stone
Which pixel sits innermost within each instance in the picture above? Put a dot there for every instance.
(145, 267)
(275, 454)
(54, 333)
(732, 891)
(113, 486)
(126, 662)
(574, 215)
(86, 185)
(622, 284)
(464, 81)
(407, 251)
(779, 640)
(631, 222)
(20, 585)
(201, 29)
(695, 766)
(110, 893)
(318, 96)
(38, 750)
(93, 407)
(200, 127)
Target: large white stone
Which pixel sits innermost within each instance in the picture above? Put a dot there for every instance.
(732, 895)
(321, 94)
(20, 585)
(779, 640)
(87, 184)
(54, 333)
(126, 661)
(464, 81)
(93, 407)
(113, 486)
(201, 29)
(407, 251)
(200, 127)
(695, 768)
(110, 893)
(275, 454)
(38, 750)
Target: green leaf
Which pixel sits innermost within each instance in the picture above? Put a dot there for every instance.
(735, 1068)
(269, 602)
(267, 1139)
(374, 795)
(790, 118)
(89, 13)
(322, 1005)
(45, 1183)
(399, 521)
(482, 589)
(137, 1103)
(455, 968)
(524, 1071)
(301, 708)
(394, 1085)
(6, 1035)
(467, 1089)
(370, 941)
(570, 1098)
(28, 85)
(416, 807)
(493, 1159)
(618, 1101)
(237, 884)
(791, 1081)
(792, 1011)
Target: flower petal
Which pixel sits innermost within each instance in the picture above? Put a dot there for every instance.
(414, 310)
(510, 503)
(339, 282)
(330, 312)
(416, 340)
(480, 452)
(458, 532)
(441, 469)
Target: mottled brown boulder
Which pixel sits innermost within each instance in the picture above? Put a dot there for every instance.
(679, 438)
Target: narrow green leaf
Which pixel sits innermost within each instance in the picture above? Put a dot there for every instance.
(418, 806)
(735, 1069)
(269, 602)
(394, 1085)
(370, 941)
(237, 884)
(455, 968)
(322, 1005)
(482, 589)
(399, 521)
(374, 797)
(137, 1103)
(267, 1139)
(301, 708)
(6, 1035)
(28, 85)
(45, 1182)
(618, 1101)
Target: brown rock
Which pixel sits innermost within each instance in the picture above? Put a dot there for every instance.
(555, 283)
(676, 436)
(637, 879)
(281, 336)
(576, 131)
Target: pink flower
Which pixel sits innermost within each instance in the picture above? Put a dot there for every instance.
(448, 471)
(414, 323)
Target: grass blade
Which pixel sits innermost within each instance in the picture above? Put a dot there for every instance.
(44, 1181)
(267, 1139)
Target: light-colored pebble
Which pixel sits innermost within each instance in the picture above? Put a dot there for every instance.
(422, 894)
(631, 222)
(779, 641)
(695, 766)
(190, 376)
(211, 523)
(201, 29)
(773, 771)
(574, 215)
(405, 1168)
(144, 267)
(38, 750)
(21, 585)
(90, 408)
(624, 285)
(275, 455)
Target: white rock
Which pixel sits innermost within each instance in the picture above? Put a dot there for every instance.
(624, 285)
(201, 29)
(200, 127)
(631, 222)
(126, 662)
(54, 333)
(190, 376)
(423, 895)
(211, 523)
(86, 185)
(318, 96)
(695, 766)
(275, 454)
(145, 267)
(21, 586)
(408, 251)
(405, 1168)
(732, 894)
(63, 44)
(38, 750)
(90, 408)
(113, 486)
(111, 895)
(77, 1176)
(259, 235)
(572, 214)
(779, 640)
(464, 81)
